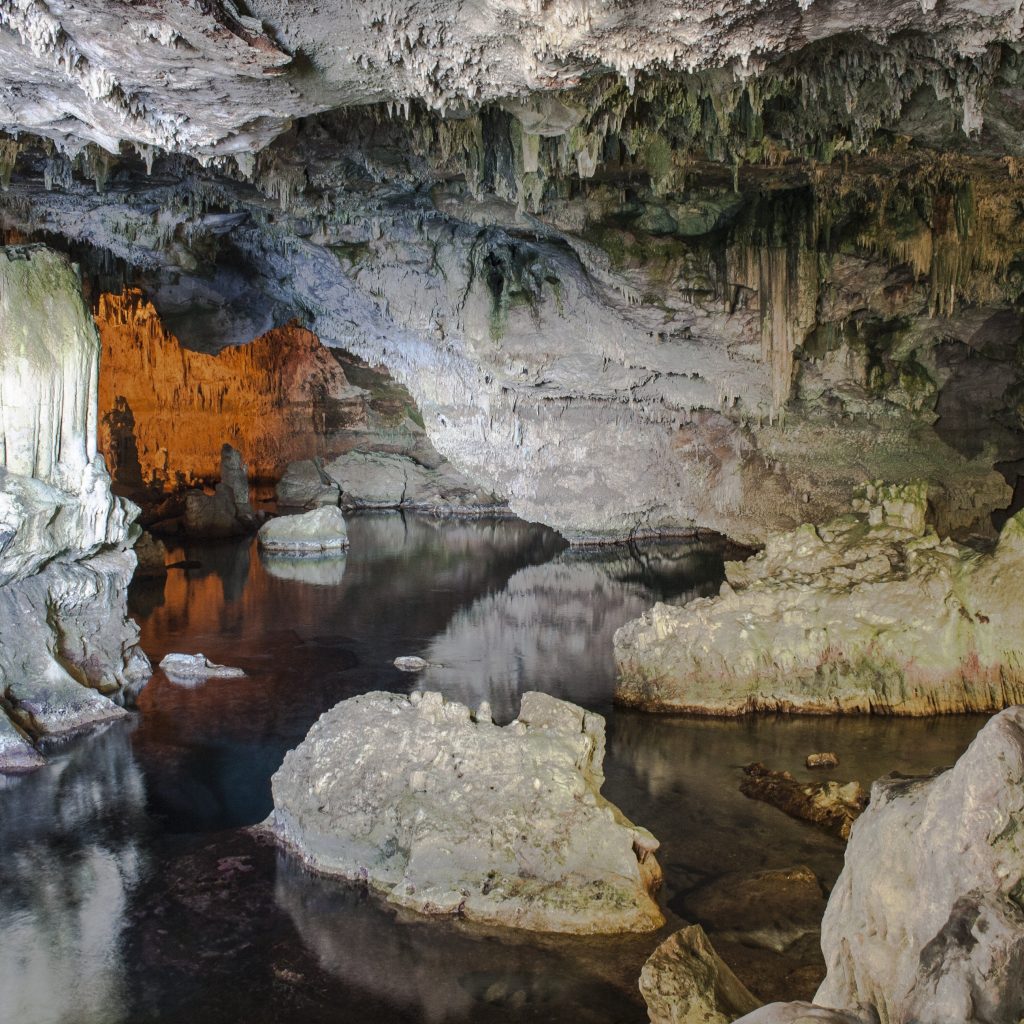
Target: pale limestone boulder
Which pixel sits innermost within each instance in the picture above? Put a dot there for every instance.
(925, 923)
(304, 485)
(316, 532)
(446, 813)
(871, 612)
(16, 751)
(686, 982)
(193, 669)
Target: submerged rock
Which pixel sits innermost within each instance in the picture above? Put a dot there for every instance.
(833, 805)
(686, 982)
(825, 759)
(925, 922)
(445, 813)
(410, 663)
(190, 669)
(310, 533)
(869, 613)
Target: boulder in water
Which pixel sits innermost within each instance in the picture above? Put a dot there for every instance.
(308, 533)
(447, 813)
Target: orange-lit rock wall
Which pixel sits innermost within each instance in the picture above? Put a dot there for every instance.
(165, 410)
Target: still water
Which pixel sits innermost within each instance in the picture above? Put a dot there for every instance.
(131, 891)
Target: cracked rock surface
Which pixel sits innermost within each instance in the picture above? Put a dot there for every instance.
(445, 812)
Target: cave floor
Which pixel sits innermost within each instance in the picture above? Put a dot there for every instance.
(133, 892)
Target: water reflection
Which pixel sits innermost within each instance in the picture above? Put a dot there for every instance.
(452, 971)
(551, 627)
(71, 854)
(126, 850)
(326, 571)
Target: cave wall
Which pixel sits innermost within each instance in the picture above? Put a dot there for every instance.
(69, 655)
(723, 294)
(165, 410)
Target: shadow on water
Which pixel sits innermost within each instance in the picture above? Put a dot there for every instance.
(132, 894)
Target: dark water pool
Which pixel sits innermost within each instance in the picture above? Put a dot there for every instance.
(131, 892)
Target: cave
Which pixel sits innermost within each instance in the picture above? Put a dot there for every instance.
(512, 511)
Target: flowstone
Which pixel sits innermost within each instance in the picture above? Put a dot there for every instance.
(871, 612)
(445, 812)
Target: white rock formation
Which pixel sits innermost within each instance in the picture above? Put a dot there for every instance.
(925, 922)
(871, 612)
(317, 532)
(210, 80)
(69, 655)
(686, 982)
(447, 814)
(192, 669)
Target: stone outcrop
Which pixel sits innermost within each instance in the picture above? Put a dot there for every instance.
(69, 655)
(871, 612)
(312, 533)
(227, 512)
(925, 922)
(834, 806)
(447, 813)
(193, 669)
(378, 480)
(151, 556)
(686, 982)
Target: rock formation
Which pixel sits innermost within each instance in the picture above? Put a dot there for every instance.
(69, 656)
(686, 982)
(193, 669)
(227, 512)
(312, 533)
(925, 922)
(643, 268)
(833, 805)
(871, 612)
(447, 813)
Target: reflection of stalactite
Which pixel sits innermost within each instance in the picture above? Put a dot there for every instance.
(265, 398)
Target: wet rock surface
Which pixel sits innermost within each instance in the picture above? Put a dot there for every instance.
(69, 654)
(308, 534)
(192, 669)
(871, 612)
(449, 814)
(925, 923)
(832, 805)
(686, 982)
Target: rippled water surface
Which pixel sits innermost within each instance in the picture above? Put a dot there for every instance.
(131, 891)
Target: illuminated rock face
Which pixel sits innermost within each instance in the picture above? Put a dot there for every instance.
(165, 410)
(925, 922)
(871, 612)
(69, 655)
(445, 812)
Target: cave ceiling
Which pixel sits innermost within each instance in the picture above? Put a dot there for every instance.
(705, 264)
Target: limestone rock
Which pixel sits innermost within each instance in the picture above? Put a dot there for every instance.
(16, 751)
(303, 484)
(69, 654)
(310, 533)
(871, 612)
(833, 805)
(72, 651)
(445, 814)
(151, 554)
(384, 480)
(235, 474)
(925, 922)
(191, 669)
(797, 1013)
(410, 663)
(685, 982)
